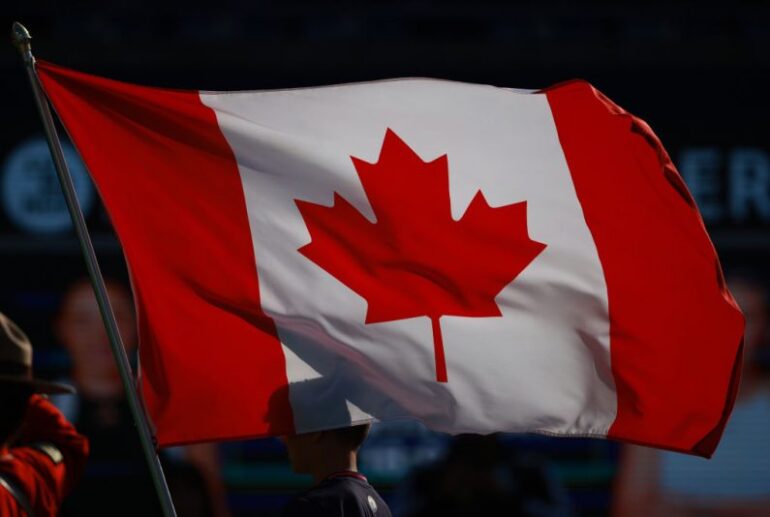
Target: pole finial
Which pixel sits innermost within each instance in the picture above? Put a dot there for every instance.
(22, 41)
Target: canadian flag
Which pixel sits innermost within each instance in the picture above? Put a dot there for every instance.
(479, 258)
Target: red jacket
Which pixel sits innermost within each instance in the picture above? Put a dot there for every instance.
(48, 461)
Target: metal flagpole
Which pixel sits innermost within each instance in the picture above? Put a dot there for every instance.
(21, 39)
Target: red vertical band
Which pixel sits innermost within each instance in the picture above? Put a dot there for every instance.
(675, 331)
(211, 364)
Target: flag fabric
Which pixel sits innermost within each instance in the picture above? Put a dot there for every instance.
(478, 258)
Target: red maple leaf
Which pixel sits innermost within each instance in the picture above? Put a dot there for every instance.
(415, 260)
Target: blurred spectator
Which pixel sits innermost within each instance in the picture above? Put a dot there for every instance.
(117, 470)
(736, 480)
(481, 477)
(189, 490)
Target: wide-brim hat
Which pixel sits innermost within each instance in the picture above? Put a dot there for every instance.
(16, 361)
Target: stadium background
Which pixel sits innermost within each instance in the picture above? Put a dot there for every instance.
(698, 72)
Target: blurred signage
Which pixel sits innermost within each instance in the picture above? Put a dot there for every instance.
(31, 195)
(731, 186)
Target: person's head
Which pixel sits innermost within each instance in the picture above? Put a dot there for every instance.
(308, 451)
(80, 329)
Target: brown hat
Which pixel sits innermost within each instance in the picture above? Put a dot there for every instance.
(16, 360)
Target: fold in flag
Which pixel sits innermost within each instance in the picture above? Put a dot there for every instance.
(478, 258)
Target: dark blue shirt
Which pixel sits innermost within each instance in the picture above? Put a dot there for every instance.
(345, 494)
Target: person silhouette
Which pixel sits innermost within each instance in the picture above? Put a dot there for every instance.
(330, 456)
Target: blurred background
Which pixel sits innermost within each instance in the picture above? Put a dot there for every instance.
(697, 72)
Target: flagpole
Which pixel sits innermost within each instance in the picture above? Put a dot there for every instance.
(21, 39)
